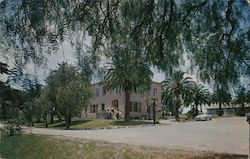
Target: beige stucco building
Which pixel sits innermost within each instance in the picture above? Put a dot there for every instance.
(106, 101)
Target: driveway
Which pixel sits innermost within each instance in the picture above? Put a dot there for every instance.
(229, 135)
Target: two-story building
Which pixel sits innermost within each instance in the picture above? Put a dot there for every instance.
(104, 101)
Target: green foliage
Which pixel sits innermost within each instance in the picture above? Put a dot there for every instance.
(44, 105)
(72, 98)
(242, 97)
(199, 95)
(4, 68)
(11, 103)
(221, 96)
(128, 72)
(175, 89)
(67, 91)
(215, 32)
(220, 40)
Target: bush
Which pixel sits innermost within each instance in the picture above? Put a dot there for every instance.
(11, 127)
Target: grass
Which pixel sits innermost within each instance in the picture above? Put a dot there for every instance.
(24, 146)
(93, 124)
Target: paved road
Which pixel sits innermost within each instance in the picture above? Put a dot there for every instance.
(228, 135)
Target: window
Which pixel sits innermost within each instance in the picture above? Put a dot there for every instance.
(104, 91)
(97, 92)
(155, 92)
(135, 107)
(115, 104)
(103, 106)
(93, 108)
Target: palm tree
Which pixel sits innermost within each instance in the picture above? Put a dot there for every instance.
(221, 96)
(241, 98)
(127, 73)
(200, 95)
(176, 87)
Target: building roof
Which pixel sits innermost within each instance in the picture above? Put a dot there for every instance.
(100, 82)
(216, 106)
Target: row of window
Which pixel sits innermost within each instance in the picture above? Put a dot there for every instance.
(153, 92)
(134, 107)
(94, 108)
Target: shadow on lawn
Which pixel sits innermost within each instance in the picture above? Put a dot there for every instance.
(73, 123)
(128, 123)
(93, 124)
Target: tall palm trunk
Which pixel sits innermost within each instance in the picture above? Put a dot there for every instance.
(46, 123)
(127, 103)
(52, 117)
(220, 111)
(242, 109)
(200, 108)
(196, 109)
(68, 121)
(193, 111)
(154, 113)
(177, 113)
(177, 106)
(148, 111)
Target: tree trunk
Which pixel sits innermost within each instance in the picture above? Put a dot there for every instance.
(46, 123)
(176, 113)
(196, 109)
(68, 121)
(148, 111)
(200, 108)
(220, 111)
(52, 117)
(243, 109)
(177, 105)
(154, 112)
(127, 104)
(193, 111)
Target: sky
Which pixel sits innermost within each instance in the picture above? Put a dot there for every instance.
(54, 59)
(64, 53)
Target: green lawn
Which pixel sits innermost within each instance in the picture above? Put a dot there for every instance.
(94, 124)
(44, 147)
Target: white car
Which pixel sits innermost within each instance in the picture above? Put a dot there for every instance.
(203, 117)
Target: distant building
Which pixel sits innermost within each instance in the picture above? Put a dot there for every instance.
(104, 101)
(227, 110)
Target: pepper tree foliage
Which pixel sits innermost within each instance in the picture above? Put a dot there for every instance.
(216, 32)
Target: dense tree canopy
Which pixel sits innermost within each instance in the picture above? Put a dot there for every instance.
(221, 96)
(216, 32)
(241, 98)
(175, 88)
(129, 73)
(67, 91)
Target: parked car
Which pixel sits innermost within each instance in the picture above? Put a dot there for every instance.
(203, 117)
